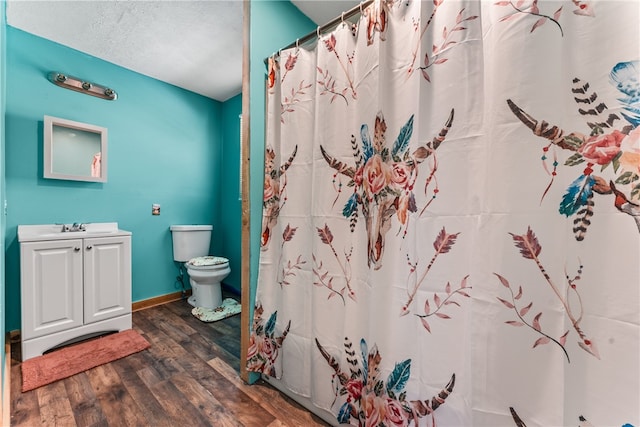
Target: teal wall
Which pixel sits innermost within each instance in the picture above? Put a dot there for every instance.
(165, 146)
(230, 202)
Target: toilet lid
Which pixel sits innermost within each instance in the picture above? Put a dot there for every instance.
(204, 261)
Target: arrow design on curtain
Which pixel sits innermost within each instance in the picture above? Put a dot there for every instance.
(439, 51)
(583, 422)
(323, 279)
(530, 248)
(520, 8)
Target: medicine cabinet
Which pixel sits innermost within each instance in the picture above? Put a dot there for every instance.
(74, 151)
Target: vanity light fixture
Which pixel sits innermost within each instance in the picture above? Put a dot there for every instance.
(69, 82)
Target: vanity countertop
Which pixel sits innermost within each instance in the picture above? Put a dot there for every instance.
(35, 233)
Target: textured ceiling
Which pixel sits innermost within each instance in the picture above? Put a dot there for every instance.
(323, 11)
(195, 45)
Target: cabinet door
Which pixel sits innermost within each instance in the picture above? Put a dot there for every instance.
(51, 286)
(107, 278)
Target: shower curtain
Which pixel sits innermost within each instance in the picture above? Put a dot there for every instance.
(451, 216)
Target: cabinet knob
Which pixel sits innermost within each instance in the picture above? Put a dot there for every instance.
(77, 249)
(89, 247)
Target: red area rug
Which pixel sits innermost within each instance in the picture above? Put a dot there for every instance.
(68, 361)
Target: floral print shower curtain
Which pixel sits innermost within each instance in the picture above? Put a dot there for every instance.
(451, 216)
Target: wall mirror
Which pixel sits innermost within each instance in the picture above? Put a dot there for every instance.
(74, 151)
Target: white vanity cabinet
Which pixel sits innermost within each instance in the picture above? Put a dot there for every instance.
(73, 284)
(107, 278)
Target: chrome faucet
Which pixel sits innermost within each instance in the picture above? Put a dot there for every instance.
(78, 227)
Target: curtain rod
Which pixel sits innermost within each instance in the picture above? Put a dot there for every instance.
(331, 24)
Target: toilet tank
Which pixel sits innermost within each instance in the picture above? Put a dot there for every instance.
(190, 241)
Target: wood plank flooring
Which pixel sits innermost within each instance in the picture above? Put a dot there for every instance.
(189, 377)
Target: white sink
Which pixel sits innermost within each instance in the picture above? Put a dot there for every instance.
(28, 233)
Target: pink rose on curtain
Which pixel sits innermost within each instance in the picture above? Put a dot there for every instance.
(354, 389)
(270, 188)
(255, 361)
(602, 149)
(262, 352)
(358, 177)
(253, 346)
(374, 409)
(269, 350)
(376, 175)
(400, 174)
(630, 147)
(395, 414)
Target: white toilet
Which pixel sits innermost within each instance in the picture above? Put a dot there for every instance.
(191, 246)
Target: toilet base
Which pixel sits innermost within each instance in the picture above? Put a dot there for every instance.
(192, 300)
(206, 296)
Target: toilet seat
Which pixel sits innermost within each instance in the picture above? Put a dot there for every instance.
(208, 263)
